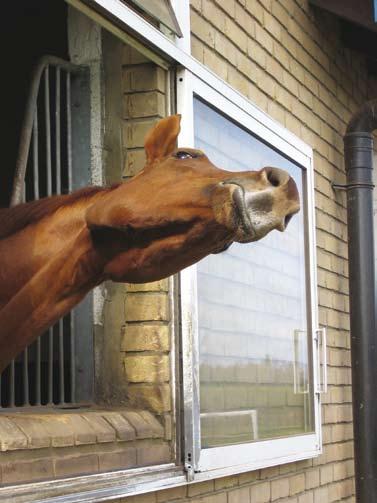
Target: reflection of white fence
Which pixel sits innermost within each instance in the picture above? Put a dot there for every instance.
(300, 362)
(236, 413)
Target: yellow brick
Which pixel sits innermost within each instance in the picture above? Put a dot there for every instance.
(141, 105)
(326, 474)
(145, 337)
(239, 495)
(245, 65)
(274, 68)
(225, 48)
(211, 12)
(131, 56)
(196, 4)
(245, 20)
(134, 133)
(260, 492)
(197, 49)
(272, 25)
(256, 53)
(200, 488)
(171, 494)
(147, 77)
(296, 484)
(238, 81)
(203, 30)
(226, 482)
(247, 477)
(293, 124)
(146, 307)
(216, 63)
(312, 478)
(134, 162)
(264, 38)
(235, 34)
(279, 489)
(147, 368)
(258, 97)
(154, 397)
(255, 9)
(155, 286)
(266, 83)
(280, 13)
(306, 498)
(228, 6)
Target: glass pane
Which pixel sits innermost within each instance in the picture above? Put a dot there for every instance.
(160, 10)
(255, 380)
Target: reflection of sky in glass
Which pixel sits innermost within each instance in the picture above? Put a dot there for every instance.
(255, 280)
(251, 298)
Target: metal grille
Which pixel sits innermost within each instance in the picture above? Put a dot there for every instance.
(45, 373)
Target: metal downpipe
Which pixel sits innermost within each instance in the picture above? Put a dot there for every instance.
(358, 152)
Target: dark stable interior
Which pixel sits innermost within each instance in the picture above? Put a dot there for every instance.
(29, 29)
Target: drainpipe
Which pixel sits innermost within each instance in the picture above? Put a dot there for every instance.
(358, 152)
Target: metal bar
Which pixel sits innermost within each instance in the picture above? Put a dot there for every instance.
(26, 376)
(50, 364)
(12, 400)
(1, 403)
(69, 131)
(27, 123)
(36, 197)
(35, 156)
(48, 132)
(72, 356)
(61, 362)
(57, 130)
(38, 373)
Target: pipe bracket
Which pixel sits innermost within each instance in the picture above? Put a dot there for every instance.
(357, 185)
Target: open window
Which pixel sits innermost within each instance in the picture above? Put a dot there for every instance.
(250, 335)
(160, 13)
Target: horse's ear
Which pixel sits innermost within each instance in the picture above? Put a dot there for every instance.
(162, 139)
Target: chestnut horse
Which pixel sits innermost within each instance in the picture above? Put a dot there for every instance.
(179, 209)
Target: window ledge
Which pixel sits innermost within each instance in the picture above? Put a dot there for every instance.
(37, 446)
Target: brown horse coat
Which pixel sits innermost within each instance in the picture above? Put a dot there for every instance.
(179, 209)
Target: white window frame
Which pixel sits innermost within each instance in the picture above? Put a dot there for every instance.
(220, 461)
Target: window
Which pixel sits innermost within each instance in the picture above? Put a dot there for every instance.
(57, 369)
(252, 372)
(160, 12)
(249, 315)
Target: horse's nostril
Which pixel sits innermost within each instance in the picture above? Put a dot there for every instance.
(287, 219)
(273, 177)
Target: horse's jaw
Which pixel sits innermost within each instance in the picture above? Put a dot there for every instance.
(168, 254)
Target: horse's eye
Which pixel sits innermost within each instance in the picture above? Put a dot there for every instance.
(182, 154)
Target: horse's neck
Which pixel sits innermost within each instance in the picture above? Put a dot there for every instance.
(25, 252)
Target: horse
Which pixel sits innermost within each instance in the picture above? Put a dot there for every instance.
(177, 210)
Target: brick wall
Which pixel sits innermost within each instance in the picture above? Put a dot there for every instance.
(287, 58)
(146, 333)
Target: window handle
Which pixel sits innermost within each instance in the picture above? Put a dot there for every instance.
(322, 362)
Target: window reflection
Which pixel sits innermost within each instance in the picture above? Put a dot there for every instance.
(253, 330)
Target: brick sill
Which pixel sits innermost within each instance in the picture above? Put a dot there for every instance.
(48, 445)
(67, 428)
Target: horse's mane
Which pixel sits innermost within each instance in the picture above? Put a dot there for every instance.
(18, 217)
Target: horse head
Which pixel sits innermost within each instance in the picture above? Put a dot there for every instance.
(181, 207)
